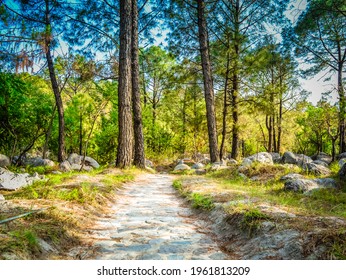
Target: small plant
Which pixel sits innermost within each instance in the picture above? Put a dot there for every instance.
(252, 220)
(177, 185)
(200, 201)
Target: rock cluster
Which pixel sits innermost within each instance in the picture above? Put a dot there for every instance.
(75, 162)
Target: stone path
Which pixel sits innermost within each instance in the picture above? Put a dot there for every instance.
(151, 222)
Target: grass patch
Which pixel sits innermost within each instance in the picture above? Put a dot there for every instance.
(324, 202)
(200, 201)
(77, 199)
(197, 200)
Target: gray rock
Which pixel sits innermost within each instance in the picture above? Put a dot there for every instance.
(342, 172)
(276, 157)
(149, 163)
(317, 169)
(341, 156)
(2, 198)
(289, 157)
(74, 159)
(262, 157)
(200, 171)
(300, 185)
(91, 162)
(326, 183)
(306, 185)
(298, 159)
(37, 161)
(181, 167)
(45, 247)
(219, 165)
(320, 162)
(232, 161)
(13, 181)
(48, 162)
(65, 166)
(341, 162)
(198, 165)
(324, 157)
(78, 167)
(291, 176)
(56, 172)
(4, 161)
(303, 159)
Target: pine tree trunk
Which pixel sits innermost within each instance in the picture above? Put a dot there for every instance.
(55, 87)
(235, 82)
(235, 117)
(225, 107)
(125, 147)
(208, 80)
(279, 127)
(139, 157)
(342, 111)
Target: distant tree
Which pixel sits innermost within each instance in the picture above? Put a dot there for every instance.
(31, 30)
(320, 38)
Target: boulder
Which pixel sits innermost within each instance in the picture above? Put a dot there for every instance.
(276, 157)
(262, 157)
(4, 161)
(219, 165)
(182, 167)
(74, 159)
(91, 162)
(149, 163)
(65, 166)
(320, 162)
(326, 183)
(298, 159)
(289, 157)
(341, 156)
(37, 161)
(198, 165)
(342, 172)
(2, 198)
(317, 169)
(305, 185)
(341, 162)
(291, 176)
(13, 181)
(48, 162)
(324, 157)
(232, 161)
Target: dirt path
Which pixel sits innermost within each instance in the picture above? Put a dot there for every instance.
(151, 222)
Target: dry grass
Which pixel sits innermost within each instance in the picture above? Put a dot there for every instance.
(75, 201)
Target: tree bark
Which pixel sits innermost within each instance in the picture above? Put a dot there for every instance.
(208, 80)
(125, 147)
(342, 111)
(225, 109)
(235, 117)
(55, 87)
(139, 157)
(235, 82)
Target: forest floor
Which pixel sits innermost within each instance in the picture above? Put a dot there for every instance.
(115, 214)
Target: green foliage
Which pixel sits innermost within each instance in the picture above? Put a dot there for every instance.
(25, 109)
(200, 201)
(252, 220)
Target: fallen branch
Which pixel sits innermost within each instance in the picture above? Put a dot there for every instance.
(23, 215)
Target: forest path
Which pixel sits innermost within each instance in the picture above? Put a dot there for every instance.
(150, 222)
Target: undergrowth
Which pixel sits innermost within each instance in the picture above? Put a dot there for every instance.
(73, 200)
